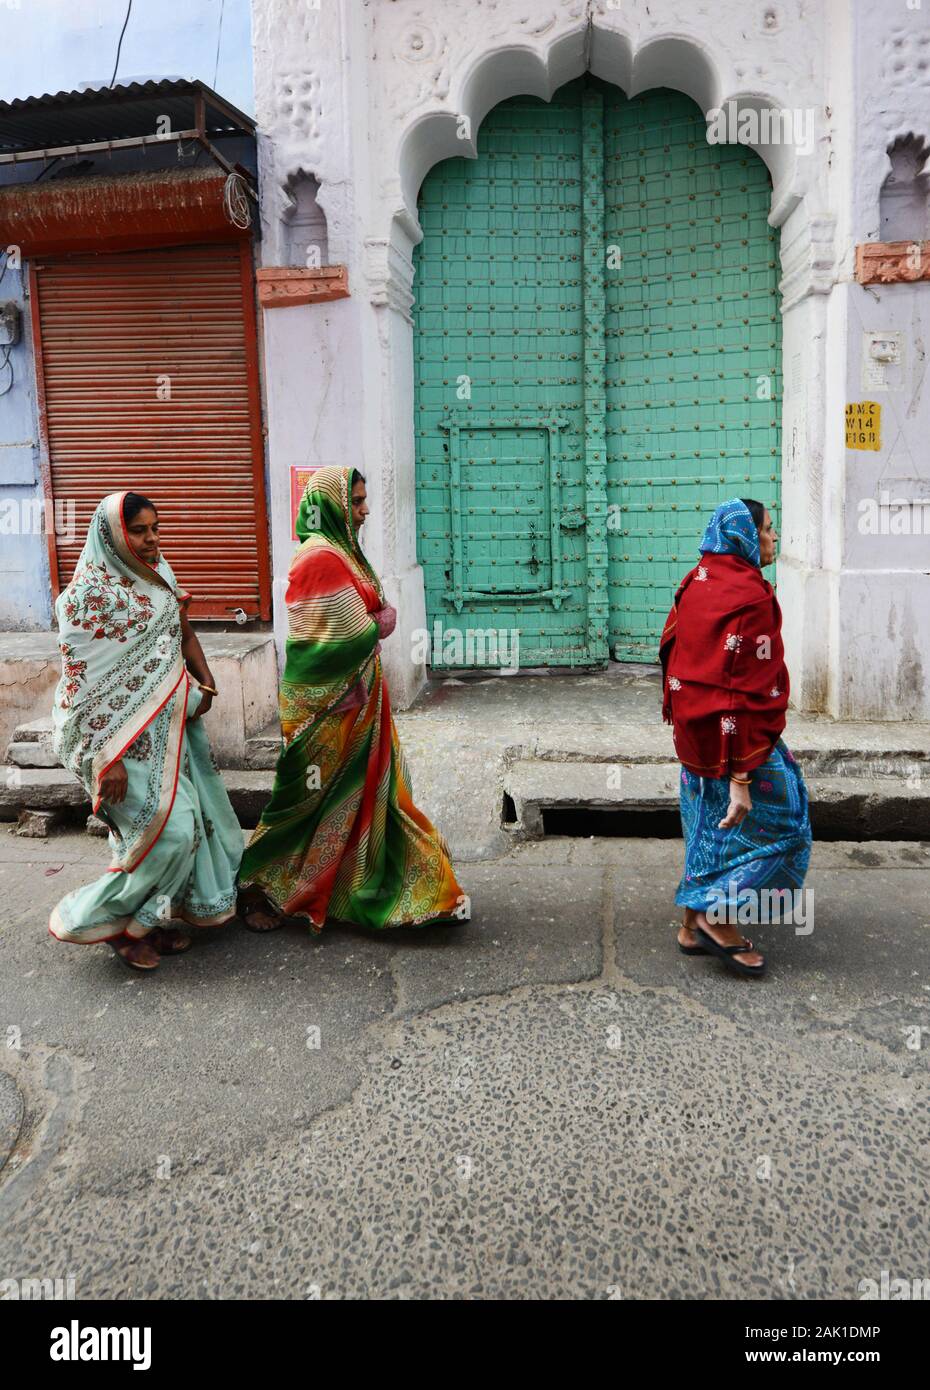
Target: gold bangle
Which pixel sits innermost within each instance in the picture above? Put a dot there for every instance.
(741, 781)
(211, 690)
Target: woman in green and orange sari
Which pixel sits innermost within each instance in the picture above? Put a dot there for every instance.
(341, 836)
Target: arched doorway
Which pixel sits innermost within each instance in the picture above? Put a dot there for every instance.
(597, 364)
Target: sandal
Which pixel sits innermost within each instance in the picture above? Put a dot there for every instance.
(693, 950)
(689, 926)
(127, 960)
(728, 954)
(169, 941)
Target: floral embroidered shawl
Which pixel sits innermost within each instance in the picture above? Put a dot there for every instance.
(122, 672)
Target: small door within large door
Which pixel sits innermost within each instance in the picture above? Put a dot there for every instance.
(148, 381)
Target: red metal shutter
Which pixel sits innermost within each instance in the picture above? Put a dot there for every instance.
(148, 380)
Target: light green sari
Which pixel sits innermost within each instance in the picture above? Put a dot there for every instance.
(124, 694)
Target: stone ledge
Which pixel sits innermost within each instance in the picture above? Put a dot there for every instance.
(860, 807)
(892, 262)
(288, 286)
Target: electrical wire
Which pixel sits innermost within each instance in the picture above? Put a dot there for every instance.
(219, 34)
(120, 44)
(7, 366)
(235, 202)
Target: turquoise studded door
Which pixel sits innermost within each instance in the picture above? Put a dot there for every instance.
(693, 349)
(543, 522)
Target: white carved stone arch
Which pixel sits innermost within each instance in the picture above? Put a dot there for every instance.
(685, 64)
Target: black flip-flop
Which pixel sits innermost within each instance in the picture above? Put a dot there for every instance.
(692, 950)
(728, 954)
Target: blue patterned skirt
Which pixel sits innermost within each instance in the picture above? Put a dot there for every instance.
(770, 850)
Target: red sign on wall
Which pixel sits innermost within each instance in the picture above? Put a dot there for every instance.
(300, 472)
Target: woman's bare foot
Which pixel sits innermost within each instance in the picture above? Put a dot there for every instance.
(257, 914)
(138, 954)
(726, 935)
(686, 934)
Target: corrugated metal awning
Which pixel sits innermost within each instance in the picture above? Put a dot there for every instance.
(114, 113)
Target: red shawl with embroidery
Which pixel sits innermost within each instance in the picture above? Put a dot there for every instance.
(725, 683)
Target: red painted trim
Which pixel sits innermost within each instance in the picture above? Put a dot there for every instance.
(45, 458)
(116, 212)
(142, 241)
(256, 431)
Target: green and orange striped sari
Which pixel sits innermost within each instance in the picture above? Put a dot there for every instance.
(341, 836)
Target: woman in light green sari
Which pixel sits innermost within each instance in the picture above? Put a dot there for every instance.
(127, 724)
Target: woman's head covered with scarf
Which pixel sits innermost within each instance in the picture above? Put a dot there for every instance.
(732, 530)
(326, 510)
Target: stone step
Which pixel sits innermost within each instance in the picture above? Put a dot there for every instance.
(262, 749)
(36, 731)
(50, 789)
(32, 754)
(882, 807)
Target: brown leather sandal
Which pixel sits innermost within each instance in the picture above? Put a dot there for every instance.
(169, 941)
(131, 942)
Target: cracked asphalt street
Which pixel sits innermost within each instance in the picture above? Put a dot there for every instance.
(547, 1102)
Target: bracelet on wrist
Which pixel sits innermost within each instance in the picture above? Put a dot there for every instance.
(742, 781)
(208, 689)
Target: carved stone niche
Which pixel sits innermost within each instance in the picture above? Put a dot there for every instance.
(903, 200)
(305, 236)
(903, 254)
(307, 278)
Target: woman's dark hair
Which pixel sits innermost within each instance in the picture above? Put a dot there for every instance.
(133, 504)
(756, 511)
(358, 477)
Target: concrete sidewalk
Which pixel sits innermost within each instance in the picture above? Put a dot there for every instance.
(548, 1102)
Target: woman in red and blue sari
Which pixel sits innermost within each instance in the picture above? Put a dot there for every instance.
(744, 809)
